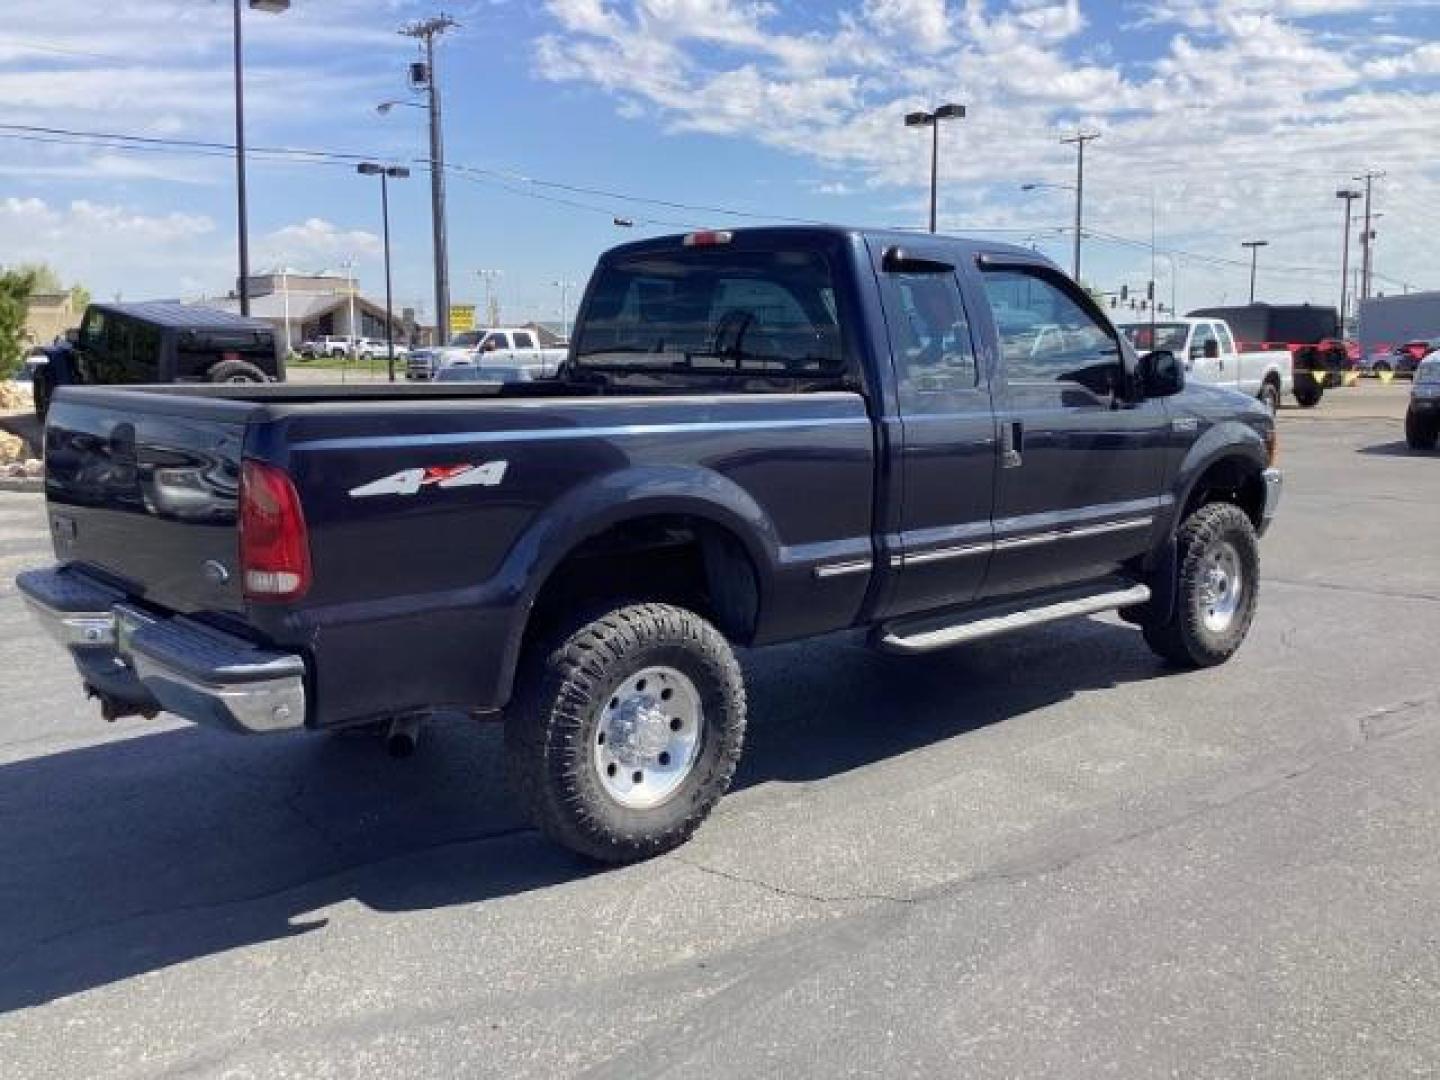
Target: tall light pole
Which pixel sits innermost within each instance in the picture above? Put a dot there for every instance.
(275, 7)
(1254, 246)
(1349, 195)
(1366, 255)
(386, 173)
(1079, 139)
(564, 287)
(932, 121)
(424, 74)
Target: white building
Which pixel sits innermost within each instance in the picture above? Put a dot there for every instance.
(305, 306)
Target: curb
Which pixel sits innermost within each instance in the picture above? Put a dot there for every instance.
(26, 484)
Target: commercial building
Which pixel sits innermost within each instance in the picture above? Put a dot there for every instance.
(306, 306)
(48, 316)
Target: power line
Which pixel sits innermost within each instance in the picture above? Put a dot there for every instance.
(520, 184)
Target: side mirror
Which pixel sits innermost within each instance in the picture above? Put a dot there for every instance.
(489, 345)
(1161, 374)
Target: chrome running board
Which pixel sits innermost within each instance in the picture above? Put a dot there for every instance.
(926, 632)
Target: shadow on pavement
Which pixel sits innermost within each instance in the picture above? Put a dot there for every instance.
(1398, 448)
(135, 855)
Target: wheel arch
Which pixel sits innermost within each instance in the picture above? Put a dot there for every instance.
(680, 519)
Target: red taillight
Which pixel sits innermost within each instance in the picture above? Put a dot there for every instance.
(274, 543)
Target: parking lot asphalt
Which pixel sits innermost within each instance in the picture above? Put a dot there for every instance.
(1046, 855)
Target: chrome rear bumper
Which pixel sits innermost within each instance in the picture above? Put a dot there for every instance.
(141, 661)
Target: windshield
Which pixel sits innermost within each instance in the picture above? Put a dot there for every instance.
(1168, 336)
(712, 310)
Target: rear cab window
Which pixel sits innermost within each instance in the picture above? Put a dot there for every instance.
(714, 310)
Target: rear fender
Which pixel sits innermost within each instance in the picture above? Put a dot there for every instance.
(610, 500)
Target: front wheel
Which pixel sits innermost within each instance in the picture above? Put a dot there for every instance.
(626, 731)
(1218, 584)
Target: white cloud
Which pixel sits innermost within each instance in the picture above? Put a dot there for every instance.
(1246, 121)
(316, 240)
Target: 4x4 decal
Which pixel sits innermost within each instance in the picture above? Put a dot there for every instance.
(411, 481)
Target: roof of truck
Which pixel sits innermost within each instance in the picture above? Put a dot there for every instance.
(174, 314)
(967, 245)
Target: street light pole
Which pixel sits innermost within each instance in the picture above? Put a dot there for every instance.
(1079, 139)
(399, 172)
(932, 121)
(1254, 246)
(427, 31)
(1349, 195)
(275, 7)
(1366, 255)
(565, 287)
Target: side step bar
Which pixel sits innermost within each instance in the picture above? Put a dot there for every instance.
(937, 632)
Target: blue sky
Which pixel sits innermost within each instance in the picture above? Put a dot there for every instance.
(1238, 119)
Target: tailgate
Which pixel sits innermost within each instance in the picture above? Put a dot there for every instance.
(143, 486)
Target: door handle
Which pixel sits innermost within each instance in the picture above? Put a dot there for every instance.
(1012, 442)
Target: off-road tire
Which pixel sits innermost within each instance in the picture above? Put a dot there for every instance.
(235, 371)
(1270, 396)
(1184, 639)
(1420, 434)
(553, 722)
(1308, 389)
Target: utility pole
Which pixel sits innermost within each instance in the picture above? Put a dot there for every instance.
(1349, 195)
(492, 309)
(426, 31)
(1079, 139)
(1254, 246)
(1366, 257)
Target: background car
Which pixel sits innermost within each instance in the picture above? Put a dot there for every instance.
(1422, 418)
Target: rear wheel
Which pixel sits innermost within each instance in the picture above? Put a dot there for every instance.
(1218, 561)
(235, 371)
(626, 731)
(1308, 389)
(42, 391)
(1421, 433)
(1270, 396)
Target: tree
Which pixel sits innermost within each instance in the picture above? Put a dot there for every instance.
(16, 287)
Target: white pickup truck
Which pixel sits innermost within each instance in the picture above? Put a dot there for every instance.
(502, 346)
(1207, 348)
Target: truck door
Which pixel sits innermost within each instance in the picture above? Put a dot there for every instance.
(1204, 363)
(1232, 365)
(1080, 467)
(947, 452)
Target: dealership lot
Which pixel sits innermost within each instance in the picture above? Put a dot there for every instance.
(1044, 855)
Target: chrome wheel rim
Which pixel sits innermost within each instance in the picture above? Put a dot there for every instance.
(647, 737)
(1222, 585)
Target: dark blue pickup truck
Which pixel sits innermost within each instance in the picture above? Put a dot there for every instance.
(757, 436)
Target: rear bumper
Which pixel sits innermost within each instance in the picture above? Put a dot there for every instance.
(1274, 485)
(142, 661)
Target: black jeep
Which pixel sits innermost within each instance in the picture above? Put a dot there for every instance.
(160, 342)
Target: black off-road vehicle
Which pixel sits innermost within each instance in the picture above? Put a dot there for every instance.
(160, 342)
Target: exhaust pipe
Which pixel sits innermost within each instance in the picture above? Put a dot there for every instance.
(403, 734)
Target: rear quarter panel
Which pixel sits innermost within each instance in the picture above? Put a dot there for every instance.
(419, 599)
